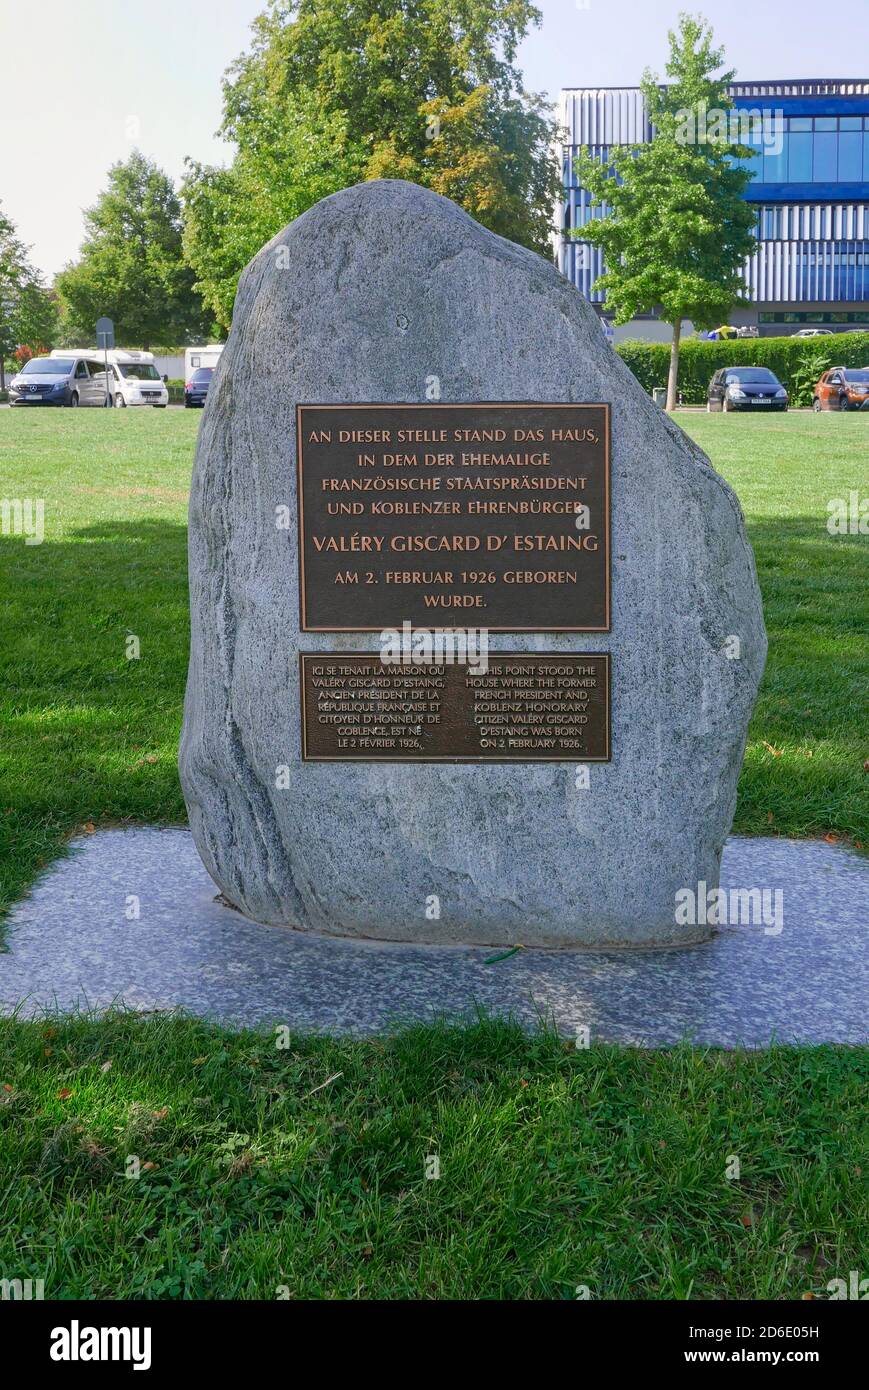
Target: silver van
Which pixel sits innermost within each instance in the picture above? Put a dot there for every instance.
(70, 379)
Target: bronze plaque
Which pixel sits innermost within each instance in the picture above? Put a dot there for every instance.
(489, 516)
(524, 708)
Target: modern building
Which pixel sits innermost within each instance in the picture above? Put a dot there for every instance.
(810, 187)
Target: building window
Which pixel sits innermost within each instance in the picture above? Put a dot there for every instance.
(824, 157)
(806, 149)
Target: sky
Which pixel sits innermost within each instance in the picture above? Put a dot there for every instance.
(86, 83)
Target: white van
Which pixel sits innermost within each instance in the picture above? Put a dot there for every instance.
(207, 356)
(136, 380)
(67, 377)
(133, 377)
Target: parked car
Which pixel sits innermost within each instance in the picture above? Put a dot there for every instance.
(814, 333)
(206, 355)
(746, 388)
(196, 389)
(67, 379)
(842, 388)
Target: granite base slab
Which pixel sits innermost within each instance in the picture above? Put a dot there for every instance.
(71, 945)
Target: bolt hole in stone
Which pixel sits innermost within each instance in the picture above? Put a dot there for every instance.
(402, 322)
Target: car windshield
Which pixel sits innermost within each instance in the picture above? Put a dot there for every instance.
(753, 376)
(202, 374)
(139, 371)
(861, 375)
(47, 366)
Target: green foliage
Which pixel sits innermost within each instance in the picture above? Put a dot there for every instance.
(291, 157)
(816, 360)
(132, 264)
(678, 229)
(28, 313)
(330, 95)
(796, 361)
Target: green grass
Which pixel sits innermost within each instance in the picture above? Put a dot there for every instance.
(304, 1167)
(90, 737)
(813, 707)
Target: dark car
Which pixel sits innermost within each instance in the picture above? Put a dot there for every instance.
(842, 388)
(746, 388)
(196, 389)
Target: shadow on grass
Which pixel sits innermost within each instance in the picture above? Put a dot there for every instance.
(90, 730)
(306, 1165)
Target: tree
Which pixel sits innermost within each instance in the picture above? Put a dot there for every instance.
(132, 265)
(27, 312)
(677, 229)
(337, 91)
(229, 214)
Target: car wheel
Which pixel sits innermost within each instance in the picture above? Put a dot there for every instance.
(120, 403)
(816, 404)
(725, 405)
(186, 403)
(843, 403)
(73, 400)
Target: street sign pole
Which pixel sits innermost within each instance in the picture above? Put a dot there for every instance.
(106, 340)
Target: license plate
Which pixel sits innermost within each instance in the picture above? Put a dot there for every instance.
(762, 400)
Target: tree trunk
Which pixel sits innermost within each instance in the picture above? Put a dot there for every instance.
(2, 372)
(673, 375)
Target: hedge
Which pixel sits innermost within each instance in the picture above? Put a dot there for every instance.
(796, 361)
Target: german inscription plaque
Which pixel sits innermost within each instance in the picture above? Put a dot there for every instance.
(490, 516)
(523, 708)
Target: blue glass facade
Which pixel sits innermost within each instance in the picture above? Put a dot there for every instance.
(810, 185)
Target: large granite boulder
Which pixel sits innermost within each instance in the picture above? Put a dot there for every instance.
(366, 296)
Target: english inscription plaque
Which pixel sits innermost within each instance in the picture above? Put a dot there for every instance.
(490, 516)
(523, 708)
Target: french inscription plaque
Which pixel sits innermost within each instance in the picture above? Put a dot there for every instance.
(489, 516)
(545, 707)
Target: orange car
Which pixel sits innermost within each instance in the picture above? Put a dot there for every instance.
(842, 388)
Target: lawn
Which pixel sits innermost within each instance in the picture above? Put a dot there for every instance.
(809, 738)
(301, 1172)
(90, 737)
(160, 1157)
